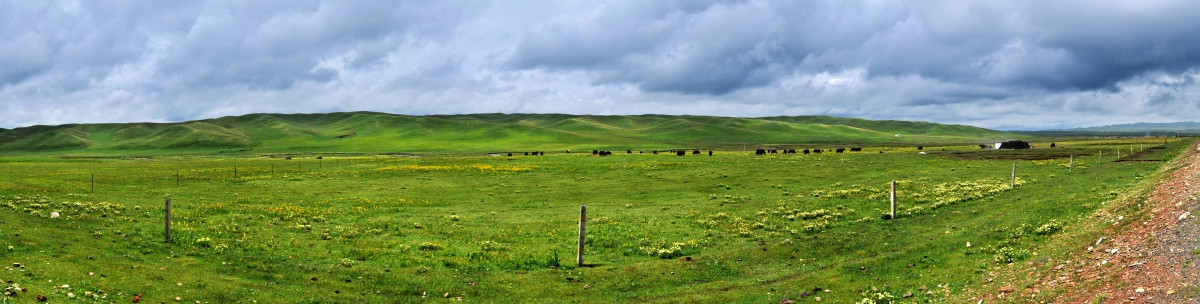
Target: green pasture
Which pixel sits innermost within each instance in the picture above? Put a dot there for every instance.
(732, 227)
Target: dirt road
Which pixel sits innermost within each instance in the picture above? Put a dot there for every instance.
(1154, 260)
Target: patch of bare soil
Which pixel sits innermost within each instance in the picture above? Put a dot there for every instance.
(1152, 261)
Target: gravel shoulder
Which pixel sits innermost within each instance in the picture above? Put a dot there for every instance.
(1154, 260)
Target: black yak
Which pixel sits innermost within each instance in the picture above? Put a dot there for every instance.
(760, 152)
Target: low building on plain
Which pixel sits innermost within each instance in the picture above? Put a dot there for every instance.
(1013, 145)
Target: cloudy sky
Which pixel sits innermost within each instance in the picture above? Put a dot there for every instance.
(996, 64)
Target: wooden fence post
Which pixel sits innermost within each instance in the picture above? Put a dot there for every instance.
(176, 178)
(167, 218)
(1100, 157)
(93, 182)
(582, 233)
(1013, 184)
(234, 172)
(893, 200)
(1071, 164)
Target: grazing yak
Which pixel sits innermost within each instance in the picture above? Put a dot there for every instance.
(760, 152)
(840, 150)
(855, 149)
(709, 152)
(806, 151)
(680, 153)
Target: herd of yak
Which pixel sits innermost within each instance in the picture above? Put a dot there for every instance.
(1016, 144)
(682, 152)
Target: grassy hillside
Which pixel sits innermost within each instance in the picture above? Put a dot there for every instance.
(380, 132)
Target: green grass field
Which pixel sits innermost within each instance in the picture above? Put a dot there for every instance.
(662, 228)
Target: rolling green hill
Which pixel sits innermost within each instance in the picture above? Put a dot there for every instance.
(380, 132)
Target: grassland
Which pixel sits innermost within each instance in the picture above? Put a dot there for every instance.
(663, 228)
(388, 133)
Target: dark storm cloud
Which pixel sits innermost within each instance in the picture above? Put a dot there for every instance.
(729, 46)
(990, 63)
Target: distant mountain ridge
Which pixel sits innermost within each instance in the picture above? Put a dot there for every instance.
(1189, 127)
(382, 132)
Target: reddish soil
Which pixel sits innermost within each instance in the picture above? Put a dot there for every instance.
(1151, 261)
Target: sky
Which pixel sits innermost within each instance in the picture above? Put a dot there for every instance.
(1011, 65)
